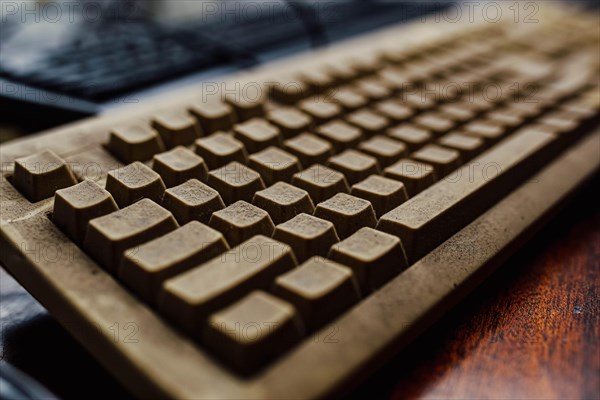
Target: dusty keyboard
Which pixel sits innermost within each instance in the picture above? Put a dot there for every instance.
(218, 244)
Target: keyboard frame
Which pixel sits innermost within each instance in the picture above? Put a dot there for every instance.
(90, 303)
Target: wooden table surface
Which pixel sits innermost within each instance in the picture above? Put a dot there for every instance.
(532, 331)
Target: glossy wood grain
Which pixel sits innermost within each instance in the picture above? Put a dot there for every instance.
(531, 331)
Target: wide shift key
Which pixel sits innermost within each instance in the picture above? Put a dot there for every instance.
(431, 217)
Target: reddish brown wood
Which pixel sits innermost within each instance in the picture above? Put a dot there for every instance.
(531, 331)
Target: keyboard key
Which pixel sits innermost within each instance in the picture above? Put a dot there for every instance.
(220, 149)
(442, 159)
(374, 89)
(488, 130)
(317, 80)
(257, 134)
(348, 213)
(290, 121)
(340, 134)
(40, 175)
(75, 206)
(320, 290)
(459, 111)
(386, 150)
(235, 182)
(134, 182)
(240, 221)
(411, 135)
(394, 111)
(434, 122)
(384, 194)
(192, 200)
(107, 237)
(468, 146)
(509, 117)
(374, 256)
(425, 221)
(309, 149)
(283, 201)
(253, 331)
(341, 71)
(289, 90)
(368, 122)
(246, 104)
(348, 98)
(176, 128)
(134, 143)
(213, 116)
(189, 298)
(179, 165)
(320, 109)
(321, 182)
(354, 165)
(307, 235)
(146, 267)
(416, 176)
(274, 165)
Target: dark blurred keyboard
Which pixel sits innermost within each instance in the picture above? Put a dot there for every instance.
(112, 57)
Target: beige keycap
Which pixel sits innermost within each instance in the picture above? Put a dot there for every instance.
(386, 150)
(145, 267)
(307, 235)
(509, 117)
(309, 149)
(134, 143)
(321, 182)
(384, 194)
(418, 100)
(427, 220)
(40, 175)
(290, 121)
(235, 181)
(368, 122)
(257, 134)
(317, 80)
(347, 213)
(320, 289)
(283, 201)
(459, 111)
(179, 165)
(288, 90)
(240, 221)
(107, 237)
(435, 122)
(349, 99)
(247, 104)
(373, 89)
(488, 130)
(213, 116)
(561, 121)
(189, 298)
(253, 331)
(320, 108)
(442, 159)
(192, 200)
(134, 182)
(220, 149)
(274, 165)
(394, 111)
(355, 165)
(75, 206)
(374, 256)
(176, 128)
(341, 71)
(468, 146)
(415, 175)
(412, 136)
(340, 134)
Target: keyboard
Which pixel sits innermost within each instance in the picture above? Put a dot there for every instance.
(281, 232)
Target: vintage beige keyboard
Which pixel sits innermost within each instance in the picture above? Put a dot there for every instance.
(234, 242)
